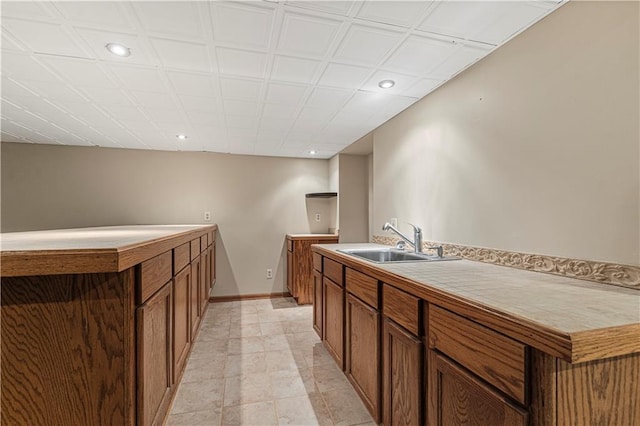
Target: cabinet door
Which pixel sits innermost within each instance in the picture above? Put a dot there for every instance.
(154, 357)
(204, 283)
(211, 266)
(334, 320)
(194, 308)
(317, 303)
(457, 397)
(290, 273)
(303, 276)
(402, 376)
(181, 324)
(362, 352)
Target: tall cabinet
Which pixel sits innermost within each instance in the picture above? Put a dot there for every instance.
(300, 264)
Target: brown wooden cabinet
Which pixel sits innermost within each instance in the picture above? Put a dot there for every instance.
(181, 325)
(334, 320)
(318, 303)
(300, 264)
(155, 366)
(402, 376)
(194, 308)
(205, 284)
(458, 397)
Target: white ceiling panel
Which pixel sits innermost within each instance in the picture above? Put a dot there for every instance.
(297, 70)
(182, 55)
(307, 35)
(242, 24)
(236, 62)
(401, 13)
(267, 78)
(43, 37)
(346, 76)
(367, 45)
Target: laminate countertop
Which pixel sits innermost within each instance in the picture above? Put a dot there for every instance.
(90, 250)
(312, 236)
(574, 319)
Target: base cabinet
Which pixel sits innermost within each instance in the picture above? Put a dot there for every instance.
(334, 320)
(300, 264)
(155, 366)
(317, 304)
(402, 376)
(181, 324)
(194, 309)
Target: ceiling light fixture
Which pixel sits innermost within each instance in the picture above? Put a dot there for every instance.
(312, 152)
(118, 49)
(386, 84)
(182, 137)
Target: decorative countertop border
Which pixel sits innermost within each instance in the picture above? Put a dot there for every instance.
(601, 272)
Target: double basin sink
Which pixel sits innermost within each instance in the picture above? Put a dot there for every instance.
(389, 255)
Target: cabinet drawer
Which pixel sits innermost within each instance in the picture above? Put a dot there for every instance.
(317, 262)
(494, 357)
(195, 248)
(154, 273)
(402, 308)
(363, 286)
(181, 257)
(333, 270)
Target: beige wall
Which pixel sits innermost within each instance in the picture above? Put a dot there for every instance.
(353, 204)
(254, 200)
(535, 148)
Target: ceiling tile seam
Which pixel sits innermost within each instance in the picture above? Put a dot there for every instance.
(149, 32)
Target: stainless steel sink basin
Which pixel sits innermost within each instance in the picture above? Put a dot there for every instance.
(387, 255)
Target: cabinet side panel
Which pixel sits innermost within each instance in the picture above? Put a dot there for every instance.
(543, 389)
(66, 349)
(603, 392)
(303, 271)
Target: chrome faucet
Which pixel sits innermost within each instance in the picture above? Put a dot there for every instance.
(417, 236)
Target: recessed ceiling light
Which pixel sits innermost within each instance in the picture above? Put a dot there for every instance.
(181, 137)
(118, 49)
(312, 152)
(386, 84)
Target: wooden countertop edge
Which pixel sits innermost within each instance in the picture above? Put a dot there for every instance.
(572, 347)
(312, 237)
(90, 261)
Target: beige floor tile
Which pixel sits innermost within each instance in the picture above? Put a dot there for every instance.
(197, 396)
(290, 383)
(249, 330)
(282, 360)
(329, 377)
(196, 418)
(317, 355)
(238, 365)
(272, 328)
(247, 389)
(245, 345)
(345, 407)
(275, 342)
(257, 414)
(244, 319)
(303, 410)
(208, 348)
(205, 368)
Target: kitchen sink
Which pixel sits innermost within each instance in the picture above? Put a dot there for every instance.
(387, 255)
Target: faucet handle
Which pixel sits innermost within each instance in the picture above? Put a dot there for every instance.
(415, 228)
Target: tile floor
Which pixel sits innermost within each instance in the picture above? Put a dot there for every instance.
(259, 362)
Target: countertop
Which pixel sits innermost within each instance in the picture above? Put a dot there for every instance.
(89, 250)
(311, 236)
(576, 319)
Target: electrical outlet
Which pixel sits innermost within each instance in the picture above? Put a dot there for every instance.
(207, 216)
(394, 222)
(269, 273)
(317, 217)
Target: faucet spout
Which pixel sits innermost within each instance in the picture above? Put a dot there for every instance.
(416, 243)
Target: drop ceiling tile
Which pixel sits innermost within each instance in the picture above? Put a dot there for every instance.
(464, 19)
(346, 76)
(129, 113)
(279, 111)
(199, 103)
(275, 126)
(403, 82)
(182, 55)
(22, 67)
(104, 13)
(205, 118)
(26, 133)
(243, 24)
(7, 137)
(210, 134)
(192, 84)
(401, 13)
(54, 91)
(153, 99)
(97, 41)
(308, 127)
(419, 55)
(323, 97)
(240, 108)
(38, 106)
(44, 37)
(288, 94)
(367, 45)
(311, 114)
(106, 96)
(422, 87)
(295, 70)
(9, 43)
(138, 78)
(166, 117)
(519, 16)
(11, 89)
(342, 8)
(462, 58)
(85, 112)
(243, 63)
(307, 35)
(79, 72)
(235, 88)
(179, 18)
(26, 9)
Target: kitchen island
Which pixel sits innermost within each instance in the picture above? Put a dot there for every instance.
(96, 323)
(457, 342)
